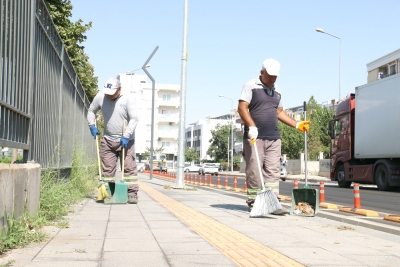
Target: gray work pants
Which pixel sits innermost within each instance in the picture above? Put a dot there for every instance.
(269, 153)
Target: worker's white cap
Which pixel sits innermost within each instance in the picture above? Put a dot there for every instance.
(271, 66)
(111, 86)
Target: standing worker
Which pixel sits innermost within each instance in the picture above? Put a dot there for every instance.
(116, 107)
(260, 107)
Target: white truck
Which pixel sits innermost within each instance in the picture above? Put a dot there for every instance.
(365, 134)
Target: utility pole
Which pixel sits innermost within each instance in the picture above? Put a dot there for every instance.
(181, 146)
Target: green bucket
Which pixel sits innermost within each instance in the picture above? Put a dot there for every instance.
(311, 196)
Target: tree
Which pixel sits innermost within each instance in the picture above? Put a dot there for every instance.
(191, 155)
(292, 141)
(73, 35)
(218, 149)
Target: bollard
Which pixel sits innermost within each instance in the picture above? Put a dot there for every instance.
(357, 203)
(195, 179)
(205, 179)
(226, 180)
(201, 179)
(234, 182)
(219, 180)
(296, 184)
(245, 184)
(185, 178)
(321, 192)
(191, 178)
(210, 181)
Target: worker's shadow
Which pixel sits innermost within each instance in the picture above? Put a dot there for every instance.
(230, 207)
(240, 208)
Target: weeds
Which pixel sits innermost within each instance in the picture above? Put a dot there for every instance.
(167, 186)
(344, 227)
(56, 195)
(7, 264)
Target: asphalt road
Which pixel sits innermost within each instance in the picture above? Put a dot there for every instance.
(371, 198)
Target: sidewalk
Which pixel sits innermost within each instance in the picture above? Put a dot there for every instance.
(176, 227)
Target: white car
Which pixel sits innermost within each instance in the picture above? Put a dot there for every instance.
(140, 166)
(193, 168)
(208, 168)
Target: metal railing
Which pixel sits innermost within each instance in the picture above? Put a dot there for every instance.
(43, 106)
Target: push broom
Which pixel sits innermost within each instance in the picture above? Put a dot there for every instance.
(101, 191)
(266, 201)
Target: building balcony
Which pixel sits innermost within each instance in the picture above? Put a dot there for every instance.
(168, 87)
(168, 118)
(167, 134)
(168, 103)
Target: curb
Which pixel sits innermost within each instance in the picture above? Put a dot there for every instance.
(328, 206)
(392, 217)
(363, 212)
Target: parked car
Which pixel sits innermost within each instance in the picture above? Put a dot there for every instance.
(192, 168)
(208, 168)
(283, 172)
(140, 166)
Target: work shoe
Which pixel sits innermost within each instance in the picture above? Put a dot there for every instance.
(250, 208)
(133, 199)
(281, 211)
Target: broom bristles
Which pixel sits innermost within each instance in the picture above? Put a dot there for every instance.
(265, 203)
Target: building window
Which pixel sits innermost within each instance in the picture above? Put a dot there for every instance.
(165, 144)
(166, 112)
(392, 69)
(166, 97)
(165, 128)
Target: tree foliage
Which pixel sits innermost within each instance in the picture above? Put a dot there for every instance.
(317, 138)
(191, 155)
(218, 149)
(73, 35)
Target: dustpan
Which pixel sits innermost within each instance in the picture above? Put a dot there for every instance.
(305, 195)
(120, 195)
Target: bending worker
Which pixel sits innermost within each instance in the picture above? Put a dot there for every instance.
(260, 107)
(116, 107)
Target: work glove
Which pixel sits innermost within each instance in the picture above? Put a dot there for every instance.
(94, 131)
(303, 126)
(124, 142)
(253, 133)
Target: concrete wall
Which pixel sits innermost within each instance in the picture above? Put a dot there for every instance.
(324, 167)
(19, 188)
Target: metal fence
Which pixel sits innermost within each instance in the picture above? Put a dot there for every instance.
(43, 106)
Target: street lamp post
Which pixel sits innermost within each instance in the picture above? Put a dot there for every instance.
(231, 132)
(340, 57)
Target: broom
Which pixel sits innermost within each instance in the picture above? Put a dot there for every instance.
(101, 191)
(266, 201)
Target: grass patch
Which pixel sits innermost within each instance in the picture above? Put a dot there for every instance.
(167, 186)
(191, 188)
(56, 196)
(7, 264)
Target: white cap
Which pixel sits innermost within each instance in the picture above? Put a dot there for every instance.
(111, 86)
(272, 66)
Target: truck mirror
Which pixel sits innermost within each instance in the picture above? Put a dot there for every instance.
(331, 129)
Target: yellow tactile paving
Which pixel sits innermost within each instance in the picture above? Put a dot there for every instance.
(241, 249)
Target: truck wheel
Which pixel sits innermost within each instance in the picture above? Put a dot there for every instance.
(382, 178)
(339, 175)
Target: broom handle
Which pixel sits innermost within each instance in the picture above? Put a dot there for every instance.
(305, 146)
(258, 164)
(123, 153)
(98, 152)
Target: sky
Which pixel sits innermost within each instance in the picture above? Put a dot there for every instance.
(228, 40)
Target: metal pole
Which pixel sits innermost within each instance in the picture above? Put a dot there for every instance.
(340, 69)
(152, 109)
(232, 136)
(181, 147)
(228, 153)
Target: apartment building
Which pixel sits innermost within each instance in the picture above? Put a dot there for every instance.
(166, 113)
(384, 66)
(198, 134)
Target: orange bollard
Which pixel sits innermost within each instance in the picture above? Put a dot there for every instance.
(357, 203)
(321, 192)
(234, 182)
(205, 179)
(219, 180)
(201, 179)
(226, 180)
(195, 178)
(245, 185)
(210, 181)
(296, 184)
(185, 178)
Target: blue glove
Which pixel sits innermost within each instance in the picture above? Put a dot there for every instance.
(124, 141)
(94, 131)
